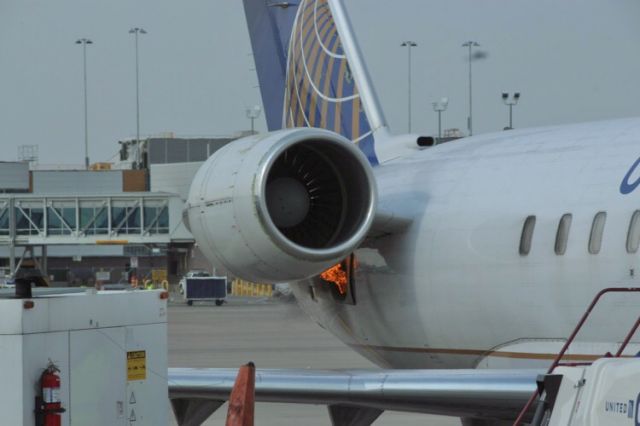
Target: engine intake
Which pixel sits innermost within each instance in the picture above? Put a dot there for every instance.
(282, 206)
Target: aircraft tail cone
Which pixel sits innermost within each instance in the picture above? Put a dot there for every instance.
(242, 399)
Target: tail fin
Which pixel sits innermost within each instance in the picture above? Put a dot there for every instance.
(310, 69)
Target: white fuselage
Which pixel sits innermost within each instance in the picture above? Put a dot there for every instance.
(453, 290)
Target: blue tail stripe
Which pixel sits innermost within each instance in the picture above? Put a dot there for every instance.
(302, 71)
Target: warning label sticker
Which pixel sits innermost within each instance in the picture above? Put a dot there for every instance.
(136, 365)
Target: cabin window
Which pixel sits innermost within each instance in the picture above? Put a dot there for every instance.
(562, 236)
(633, 237)
(597, 228)
(527, 235)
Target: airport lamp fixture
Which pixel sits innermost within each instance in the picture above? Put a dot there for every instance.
(137, 31)
(409, 45)
(439, 107)
(84, 42)
(470, 45)
(510, 101)
(253, 113)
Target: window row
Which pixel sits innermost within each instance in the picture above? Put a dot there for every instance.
(93, 220)
(595, 236)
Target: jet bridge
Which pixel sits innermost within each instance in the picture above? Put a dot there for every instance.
(30, 220)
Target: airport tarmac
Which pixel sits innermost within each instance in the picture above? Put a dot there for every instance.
(272, 334)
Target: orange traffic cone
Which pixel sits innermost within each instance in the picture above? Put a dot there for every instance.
(242, 399)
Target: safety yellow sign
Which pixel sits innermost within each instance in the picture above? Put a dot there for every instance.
(136, 365)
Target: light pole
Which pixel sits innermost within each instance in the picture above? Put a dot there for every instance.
(439, 107)
(136, 31)
(470, 45)
(409, 44)
(253, 113)
(510, 101)
(84, 42)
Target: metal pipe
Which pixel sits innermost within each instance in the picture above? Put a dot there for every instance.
(12, 237)
(409, 87)
(409, 44)
(86, 124)
(470, 45)
(510, 116)
(136, 31)
(44, 261)
(470, 124)
(84, 42)
(137, 103)
(628, 337)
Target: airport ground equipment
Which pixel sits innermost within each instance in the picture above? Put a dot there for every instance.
(73, 357)
(193, 273)
(605, 393)
(206, 289)
(545, 398)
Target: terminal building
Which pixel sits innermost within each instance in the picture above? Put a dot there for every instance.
(82, 226)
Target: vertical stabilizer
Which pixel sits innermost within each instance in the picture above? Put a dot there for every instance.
(310, 70)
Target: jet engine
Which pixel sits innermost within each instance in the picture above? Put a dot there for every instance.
(282, 206)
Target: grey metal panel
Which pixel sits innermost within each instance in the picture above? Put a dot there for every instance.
(157, 151)
(173, 178)
(77, 182)
(69, 251)
(490, 394)
(216, 144)
(198, 150)
(177, 151)
(14, 176)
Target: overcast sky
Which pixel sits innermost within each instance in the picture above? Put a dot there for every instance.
(572, 60)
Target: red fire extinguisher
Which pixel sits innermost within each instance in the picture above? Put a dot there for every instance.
(48, 405)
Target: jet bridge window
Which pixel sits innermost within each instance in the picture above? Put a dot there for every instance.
(29, 218)
(61, 217)
(4, 218)
(527, 235)
(94, 217)
(633, 237)
(562, 236)
(597, 229)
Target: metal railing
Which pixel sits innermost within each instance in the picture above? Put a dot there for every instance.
(556, 362)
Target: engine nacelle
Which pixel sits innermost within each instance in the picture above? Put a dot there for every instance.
(282, 206)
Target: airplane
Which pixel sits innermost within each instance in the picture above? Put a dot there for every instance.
(458, 268)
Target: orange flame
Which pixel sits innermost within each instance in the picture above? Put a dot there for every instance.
(338, 276)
